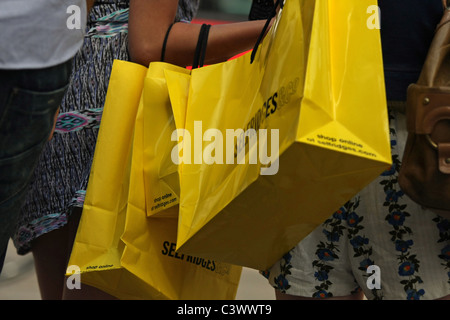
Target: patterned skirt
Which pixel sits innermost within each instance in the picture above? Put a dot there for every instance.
(60, 179)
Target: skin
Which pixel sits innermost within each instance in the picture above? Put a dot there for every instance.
(224, 42)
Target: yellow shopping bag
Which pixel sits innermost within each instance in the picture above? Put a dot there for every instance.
(151, 242)
(117, 248)
(272, 148)
(161, 175)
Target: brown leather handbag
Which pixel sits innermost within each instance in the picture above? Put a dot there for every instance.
(425, 171)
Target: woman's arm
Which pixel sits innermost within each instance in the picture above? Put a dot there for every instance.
(148, 24)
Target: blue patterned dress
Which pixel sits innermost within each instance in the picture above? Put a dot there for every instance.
(60, 180)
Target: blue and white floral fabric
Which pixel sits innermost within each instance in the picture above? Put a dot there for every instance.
(379, 227)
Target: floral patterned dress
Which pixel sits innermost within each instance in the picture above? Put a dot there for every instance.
(381, 227)
(60, 180)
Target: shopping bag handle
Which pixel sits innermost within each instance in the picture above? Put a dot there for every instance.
(163, 50)
(200, 50)
(266, 25)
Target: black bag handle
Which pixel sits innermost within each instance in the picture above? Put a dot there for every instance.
(200, 50)
(163, 51)
(266, 25)
(204, 45)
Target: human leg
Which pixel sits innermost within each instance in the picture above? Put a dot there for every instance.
(86, 292)
(51, 253)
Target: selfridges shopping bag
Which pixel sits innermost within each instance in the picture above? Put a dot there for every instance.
(271, 148)
(151, 242)
(117, 248)
(161, 174)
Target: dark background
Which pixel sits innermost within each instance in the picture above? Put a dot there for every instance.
(224, 10)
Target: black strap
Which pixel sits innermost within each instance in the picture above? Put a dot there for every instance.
(200, 50)
(163, 51)
(260, 9)
(266, 25)
(204, 45)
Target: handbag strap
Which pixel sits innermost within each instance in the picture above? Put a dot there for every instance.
(266, 25)
(163, 50)
(200, 50)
